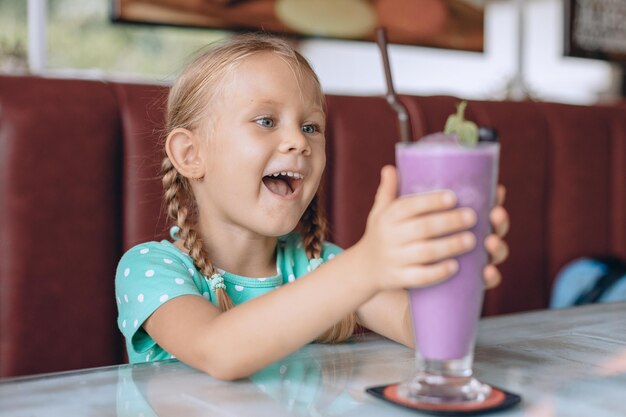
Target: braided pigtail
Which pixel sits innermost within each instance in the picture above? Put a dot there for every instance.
(313, 226)
(179, 200)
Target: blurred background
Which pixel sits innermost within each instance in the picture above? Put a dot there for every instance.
(81, 158)
(523, 55)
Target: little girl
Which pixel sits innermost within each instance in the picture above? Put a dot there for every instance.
(244, 158)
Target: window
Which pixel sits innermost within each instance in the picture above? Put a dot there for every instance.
(81, 40)
(13, 36)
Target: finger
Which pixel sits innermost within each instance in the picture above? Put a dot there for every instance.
(491, 277)
(500, 222)
(497, 248)
(436, 225)
(425, 275)
(434, 250)
(387, 189)
(500, 195)
(417, 204)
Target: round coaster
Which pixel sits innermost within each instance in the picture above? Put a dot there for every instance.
(497, 400)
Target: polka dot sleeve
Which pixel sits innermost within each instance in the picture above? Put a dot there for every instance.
(330, 250)
(148, 276)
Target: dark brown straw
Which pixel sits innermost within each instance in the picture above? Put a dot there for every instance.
(392, 98)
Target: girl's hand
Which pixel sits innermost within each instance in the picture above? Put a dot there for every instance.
(408, 241)
(495, 245)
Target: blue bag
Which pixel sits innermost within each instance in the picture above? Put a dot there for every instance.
(590, 280)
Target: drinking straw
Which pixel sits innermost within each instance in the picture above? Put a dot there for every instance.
(392, 98)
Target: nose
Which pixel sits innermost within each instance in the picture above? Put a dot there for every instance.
(294, 140)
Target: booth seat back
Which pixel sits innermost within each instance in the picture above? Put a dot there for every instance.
(79, 185)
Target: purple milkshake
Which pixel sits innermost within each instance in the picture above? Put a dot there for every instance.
(445, 315)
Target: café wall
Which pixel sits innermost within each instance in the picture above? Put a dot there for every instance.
(354, 68)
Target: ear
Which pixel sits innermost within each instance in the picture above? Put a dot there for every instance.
(183, 149)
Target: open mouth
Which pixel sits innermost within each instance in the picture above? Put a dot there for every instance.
(283, 183)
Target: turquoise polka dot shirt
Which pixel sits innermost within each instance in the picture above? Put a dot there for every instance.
(152, 273)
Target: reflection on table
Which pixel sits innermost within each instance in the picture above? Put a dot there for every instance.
(563, 363)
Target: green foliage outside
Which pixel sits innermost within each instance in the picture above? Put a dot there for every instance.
(13, 35)
(81, 36)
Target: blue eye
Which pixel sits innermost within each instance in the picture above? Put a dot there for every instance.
(310, 129)
(265, 122)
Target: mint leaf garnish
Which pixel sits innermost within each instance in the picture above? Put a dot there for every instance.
(465, 130)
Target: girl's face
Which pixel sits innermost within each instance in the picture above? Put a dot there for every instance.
(265, 148)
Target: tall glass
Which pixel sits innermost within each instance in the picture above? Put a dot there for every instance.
(445, 315)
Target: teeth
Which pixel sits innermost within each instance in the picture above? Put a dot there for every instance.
(295, 175)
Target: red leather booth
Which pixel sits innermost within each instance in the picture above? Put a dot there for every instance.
(79, 185)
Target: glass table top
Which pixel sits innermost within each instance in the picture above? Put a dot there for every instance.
(563, 363)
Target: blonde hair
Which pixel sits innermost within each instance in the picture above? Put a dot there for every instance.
(187, 106)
